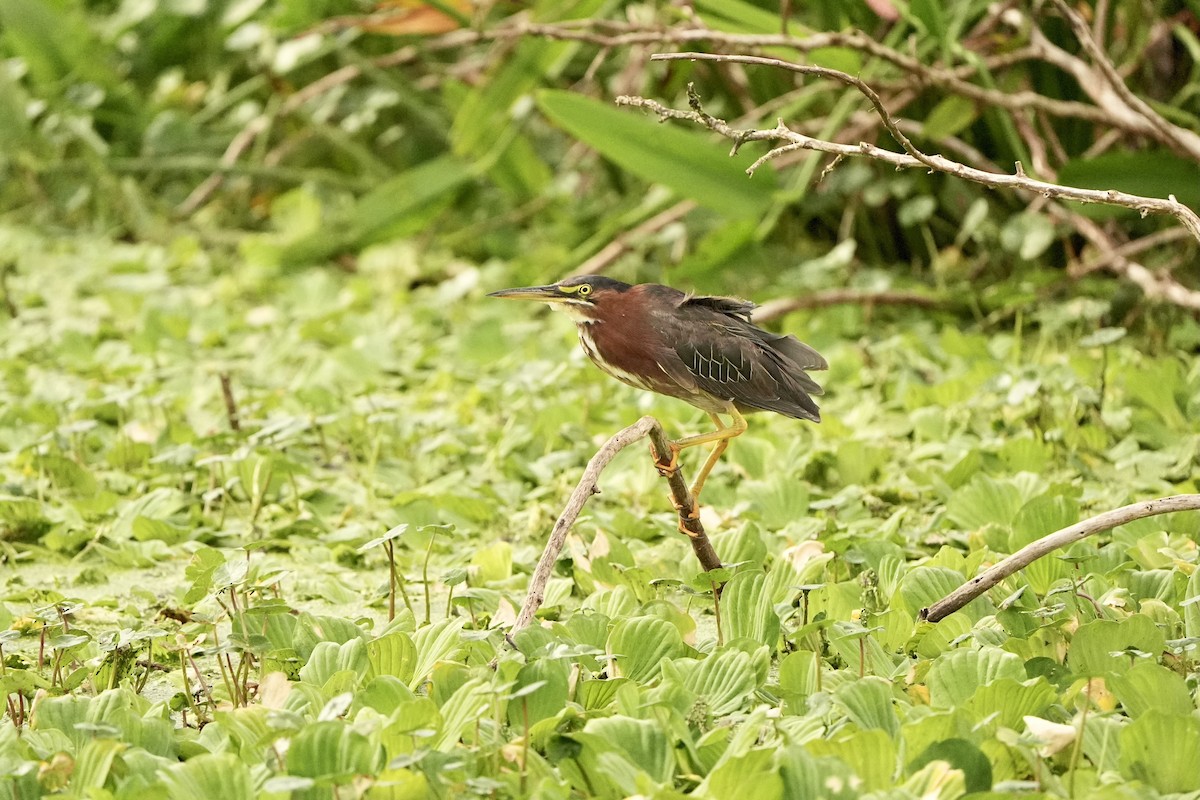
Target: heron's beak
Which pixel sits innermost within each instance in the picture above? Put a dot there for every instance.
(540, 294)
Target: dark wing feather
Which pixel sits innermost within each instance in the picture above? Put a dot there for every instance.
(729, 306)
(722, 354)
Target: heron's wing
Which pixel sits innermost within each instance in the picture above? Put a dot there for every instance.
(729, 306)
(725, 356)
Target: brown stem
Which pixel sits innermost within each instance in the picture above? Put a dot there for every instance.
(688, 521)
(231, 409)
(1048, 544)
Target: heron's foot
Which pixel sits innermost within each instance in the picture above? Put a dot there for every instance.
(671, 466)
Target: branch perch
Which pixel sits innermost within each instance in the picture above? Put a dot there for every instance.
(1161, 287)
(1048, 544)
(681, 496)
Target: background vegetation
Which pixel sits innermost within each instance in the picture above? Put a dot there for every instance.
(248, 378)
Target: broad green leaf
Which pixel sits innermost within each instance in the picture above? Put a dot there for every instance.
(807, 776)
(1191, 606)
(923, 586)
(595, 695)
(95, 762)
(948, 117)
(328, 659)
(642, 742)
(1102, 647)
(551, 677)
(392, 654)
(688, 162)
(332, 750)
(749, 774)
(1012, 700)
(1160, 748)
(868, 703)
(208, 776)
(984, 500)
(871, 754)
(395, 208)
(384, 693)
(959, 754)
(1147, 686)
(725, 680)
(738, 16)
(957, 675)
(461, 713)
(1028, 235)
(639, 644)
(435, 643)
(747, 611)
(1148, 173)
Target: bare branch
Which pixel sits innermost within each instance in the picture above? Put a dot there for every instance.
(689, 522)
(620, 243)
(1048, 544)
(1156, 287)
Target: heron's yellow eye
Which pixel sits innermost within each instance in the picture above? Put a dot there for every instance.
(584, 290)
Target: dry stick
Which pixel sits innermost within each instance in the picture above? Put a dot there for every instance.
(622, 242)
(231, 409)
(682, 497)
(1155, 286)
(912, 157)
(1048, 544)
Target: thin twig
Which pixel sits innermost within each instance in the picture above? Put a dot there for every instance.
(231, 409)
(912, 157)
(1048, 544)
(620, 243)
(681, 496)
(1159, 287)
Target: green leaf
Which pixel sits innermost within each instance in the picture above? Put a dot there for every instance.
(747, 611)
(1099, 647)
(392, 654)
(959, 754)
(639, 645)
(398, 207)
(868, 703)
(1149, 173)
(332, 750)
(1027, 234)
(957, 675)
(209, 775)
(689, 163)
(949, 117)
(726, 680)
(1012, 700)
(984, 501)
(435, 643)
(640, 742)
(1147, 686)
(1160, 748)
(871, 754)
(551, 677)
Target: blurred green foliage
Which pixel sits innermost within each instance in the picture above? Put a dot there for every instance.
(437, 122)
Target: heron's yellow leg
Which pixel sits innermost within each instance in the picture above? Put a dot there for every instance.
(721, 436)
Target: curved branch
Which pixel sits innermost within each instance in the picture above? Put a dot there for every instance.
(689, 522)
(1048, 544)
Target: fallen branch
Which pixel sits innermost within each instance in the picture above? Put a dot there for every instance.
(689, 522)
(1048, 544)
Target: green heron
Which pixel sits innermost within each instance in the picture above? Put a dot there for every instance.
(702, 350)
